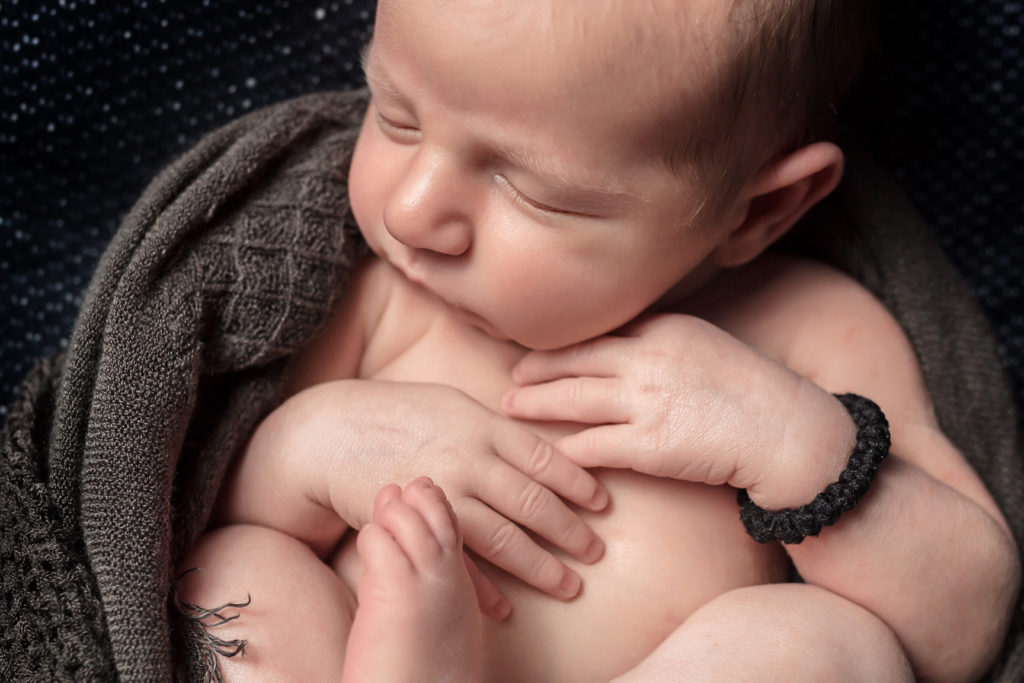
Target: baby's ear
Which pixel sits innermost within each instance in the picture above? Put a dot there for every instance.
(777, 198)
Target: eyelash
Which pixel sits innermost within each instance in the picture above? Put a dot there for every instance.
(393, 128)
(517, 197)
(521, 200)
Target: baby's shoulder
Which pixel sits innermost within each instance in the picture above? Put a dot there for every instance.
(815, 319)
(350, 334)
(779, 297)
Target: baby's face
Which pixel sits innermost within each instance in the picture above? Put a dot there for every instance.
(512, 163)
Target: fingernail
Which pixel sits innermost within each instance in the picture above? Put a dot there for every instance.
(599, 501)
(571, 584)
(506, 400)
(502, 608)
(594, 551)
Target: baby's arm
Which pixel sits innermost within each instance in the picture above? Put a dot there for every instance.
(927, 549)
(313, 465)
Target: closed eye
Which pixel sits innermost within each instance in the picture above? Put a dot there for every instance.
(398, 131)
(524, 201)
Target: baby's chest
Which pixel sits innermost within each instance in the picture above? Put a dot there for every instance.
(420, 341)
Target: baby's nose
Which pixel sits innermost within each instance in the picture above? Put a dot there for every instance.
(444, 236)
(429, 208)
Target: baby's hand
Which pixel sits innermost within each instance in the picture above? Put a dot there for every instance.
(678, 397)
(500, 477)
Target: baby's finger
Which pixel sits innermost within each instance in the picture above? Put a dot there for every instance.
(489, 597)
(599, 357)
(539, 460)
(504, 544)
(589, 400)
(603, 446)
(533, 506)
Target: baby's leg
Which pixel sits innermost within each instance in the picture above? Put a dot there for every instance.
(299, 613)
(418, 618)
(778, 632)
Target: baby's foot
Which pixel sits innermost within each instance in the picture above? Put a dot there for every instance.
(418, 618)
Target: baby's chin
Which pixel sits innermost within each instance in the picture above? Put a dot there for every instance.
(480, 323)
(526, 341)
(549, 340)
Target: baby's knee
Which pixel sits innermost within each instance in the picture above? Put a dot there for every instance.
(779, 632)
(803, 632)
(290, 609)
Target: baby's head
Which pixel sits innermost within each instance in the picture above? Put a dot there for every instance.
(770, 80)
(552, 168)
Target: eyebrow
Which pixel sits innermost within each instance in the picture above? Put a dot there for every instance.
(376, 78)
(580, 187)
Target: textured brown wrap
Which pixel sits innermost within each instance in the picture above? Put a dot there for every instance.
(113, 451)
(113, 454)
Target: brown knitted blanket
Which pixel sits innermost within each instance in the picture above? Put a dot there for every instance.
(113, 451)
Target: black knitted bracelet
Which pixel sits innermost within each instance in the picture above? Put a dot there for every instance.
(793, 525)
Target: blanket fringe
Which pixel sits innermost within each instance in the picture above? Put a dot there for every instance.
(197, 624)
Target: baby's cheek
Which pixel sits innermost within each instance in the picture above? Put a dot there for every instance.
(367, 189)
(367, 214)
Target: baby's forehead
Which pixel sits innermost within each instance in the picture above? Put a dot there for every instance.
(657, 53)
(638, 39)
(595, 37)
(599, 78)
(663, 56)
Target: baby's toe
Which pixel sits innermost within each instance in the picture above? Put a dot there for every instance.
(433, 506)
(412, 533)
(387, 494)
(380, 552)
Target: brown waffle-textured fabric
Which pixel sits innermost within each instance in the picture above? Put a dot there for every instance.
(113, 453)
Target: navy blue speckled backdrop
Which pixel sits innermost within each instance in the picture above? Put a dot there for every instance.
(944, 110)
(97, 96)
